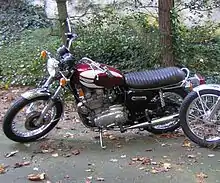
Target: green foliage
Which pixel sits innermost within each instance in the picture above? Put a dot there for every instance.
(129, 42)
(18, 16)
(20, 62)
(196, 47)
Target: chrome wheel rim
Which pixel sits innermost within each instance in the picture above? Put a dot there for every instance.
(20, 120)
(197, 118)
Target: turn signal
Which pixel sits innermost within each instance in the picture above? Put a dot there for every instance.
(43, 54)
(191, 86)
(63, 82)
(81, 93)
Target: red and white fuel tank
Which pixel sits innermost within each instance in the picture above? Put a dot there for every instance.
(92, 77)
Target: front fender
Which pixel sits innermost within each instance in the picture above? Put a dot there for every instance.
(40, 92)
(207, 87)
(37, 92)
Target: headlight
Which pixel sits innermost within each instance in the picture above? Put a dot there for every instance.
(52, 65)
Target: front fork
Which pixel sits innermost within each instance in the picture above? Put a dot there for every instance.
(50, 104)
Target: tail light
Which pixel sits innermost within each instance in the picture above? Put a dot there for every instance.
(200, 78)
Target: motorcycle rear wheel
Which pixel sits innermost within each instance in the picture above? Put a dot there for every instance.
(32, 131)
(172, 126)
(192, 108)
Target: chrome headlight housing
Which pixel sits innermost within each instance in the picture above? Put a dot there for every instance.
(52, 66)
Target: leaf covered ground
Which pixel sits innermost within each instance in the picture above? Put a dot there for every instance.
(71, 153)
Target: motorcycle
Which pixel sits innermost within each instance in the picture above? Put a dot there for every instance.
(106, 99)
(200, 115)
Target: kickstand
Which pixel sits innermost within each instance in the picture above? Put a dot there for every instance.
(101, 139)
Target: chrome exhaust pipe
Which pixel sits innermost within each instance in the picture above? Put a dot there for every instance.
(155, 122)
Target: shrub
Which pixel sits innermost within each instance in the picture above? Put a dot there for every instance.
(20, 62)
(129, 42)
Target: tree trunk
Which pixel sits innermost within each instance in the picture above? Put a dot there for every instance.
(62, 14)
(167, 58)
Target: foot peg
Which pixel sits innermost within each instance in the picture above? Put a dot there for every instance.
(101, 139)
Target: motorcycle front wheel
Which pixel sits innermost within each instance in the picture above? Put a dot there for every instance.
(173, 100)
(195, 121)
(21, 123)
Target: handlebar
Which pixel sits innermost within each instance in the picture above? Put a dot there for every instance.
(70, 36)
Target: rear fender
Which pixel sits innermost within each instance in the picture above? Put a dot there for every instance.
(206, 87)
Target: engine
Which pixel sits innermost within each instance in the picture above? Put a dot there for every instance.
(99, 106)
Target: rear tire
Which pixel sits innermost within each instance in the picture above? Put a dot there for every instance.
(184, 124)
(14, 110)
(182, 93)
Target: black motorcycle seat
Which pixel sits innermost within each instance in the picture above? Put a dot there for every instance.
(154, 78)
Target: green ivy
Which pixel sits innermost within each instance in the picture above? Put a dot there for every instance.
(20, 63)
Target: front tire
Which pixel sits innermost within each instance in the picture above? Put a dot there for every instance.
(188, 103)
(18, 136)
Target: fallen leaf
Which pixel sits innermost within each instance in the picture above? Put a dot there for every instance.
(111, 137)
(142, 168)
(88, 181)
(153, 163)
(89, 178)
(159, 170)
(27, 145)
(113, 160)
(11, 154)
(148, 150)
(100, 179)
(191, 156)
(154, 171)
(35, 168)
(168, 135)
(123, 156)
(18, 165)
(89, 170)
(201, 174)
(36, 177)
(50, 150)
(68, 134)
(2, 169)
(55, 155)
(66, 176)
(186, 143)
(143, 160)
(67, 155)
(167, 165)
(146, 161)
(211, 155)
(163, 144)
(200, 177)
(76, 152)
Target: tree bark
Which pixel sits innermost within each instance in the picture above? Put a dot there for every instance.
(62, 14)
(165, 6)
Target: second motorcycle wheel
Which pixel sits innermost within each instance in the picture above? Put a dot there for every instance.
(195, 120)
(173, 100)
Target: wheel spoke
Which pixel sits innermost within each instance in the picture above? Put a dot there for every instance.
(26, 123)
(197, 120)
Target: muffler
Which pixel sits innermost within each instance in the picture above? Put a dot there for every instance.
(155, 122)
